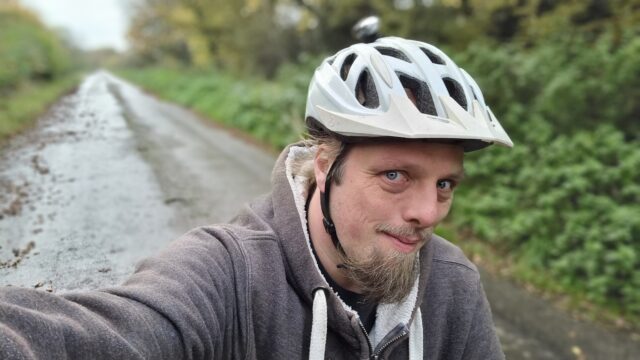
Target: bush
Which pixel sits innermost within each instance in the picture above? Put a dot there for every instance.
(570, 207)
(28, 50)
(573, 84)
(566, 200)
(34, 68)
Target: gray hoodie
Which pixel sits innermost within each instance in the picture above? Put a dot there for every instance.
(251, 289)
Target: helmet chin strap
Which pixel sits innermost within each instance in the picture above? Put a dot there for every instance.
(329, 226)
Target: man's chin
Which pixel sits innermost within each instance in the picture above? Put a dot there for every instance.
(384, 276)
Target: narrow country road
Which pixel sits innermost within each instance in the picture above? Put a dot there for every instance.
(110, 175)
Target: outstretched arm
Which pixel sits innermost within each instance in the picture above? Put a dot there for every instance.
(179, 304)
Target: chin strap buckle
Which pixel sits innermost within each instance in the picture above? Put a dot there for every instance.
(328, 226)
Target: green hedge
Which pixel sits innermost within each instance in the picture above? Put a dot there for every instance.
(569, 208)
(28, 50)
(35, 68)
(562, 85)
(565, 202)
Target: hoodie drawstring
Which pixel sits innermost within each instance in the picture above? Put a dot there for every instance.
(415, 337)
(318, 326)
(319, 330)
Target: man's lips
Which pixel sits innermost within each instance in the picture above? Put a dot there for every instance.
(404, 239)
(403, 243)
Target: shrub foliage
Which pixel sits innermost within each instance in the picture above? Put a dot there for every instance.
(35, 68)
(566, 199)
(28, 50)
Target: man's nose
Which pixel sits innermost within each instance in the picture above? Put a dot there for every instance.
(423, 209)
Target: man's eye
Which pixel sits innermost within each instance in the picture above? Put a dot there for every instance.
(392, 175)
(445, 185)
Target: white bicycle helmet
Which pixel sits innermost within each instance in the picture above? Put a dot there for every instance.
(400, 88)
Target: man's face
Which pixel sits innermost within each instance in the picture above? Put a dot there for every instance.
(390, 198)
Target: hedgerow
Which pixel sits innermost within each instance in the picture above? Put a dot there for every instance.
(28, 50)
(35, 68)
(565, 201)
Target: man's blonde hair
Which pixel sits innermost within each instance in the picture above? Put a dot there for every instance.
(334, 147)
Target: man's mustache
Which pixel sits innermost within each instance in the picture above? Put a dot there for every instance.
(406, 231)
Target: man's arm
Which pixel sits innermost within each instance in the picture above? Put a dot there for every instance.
(38, 325)
(179, 304)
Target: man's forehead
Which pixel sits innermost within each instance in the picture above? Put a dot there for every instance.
(414, 154)
(450, 167)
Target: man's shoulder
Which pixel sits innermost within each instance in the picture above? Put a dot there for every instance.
(240, 234)
(226, 245)
(447, 254)
(452, 275)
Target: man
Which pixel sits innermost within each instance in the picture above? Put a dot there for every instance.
(339, 261)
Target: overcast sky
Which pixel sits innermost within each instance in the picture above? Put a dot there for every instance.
(91, 23)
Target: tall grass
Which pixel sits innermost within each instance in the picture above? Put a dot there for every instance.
(21, 107)
(270, 111)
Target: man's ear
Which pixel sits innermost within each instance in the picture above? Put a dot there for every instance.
(321, 165)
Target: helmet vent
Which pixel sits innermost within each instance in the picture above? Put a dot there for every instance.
(331, 60)
(346, 65)
(393, 53)
(418, 92)
(366, 92)
(455, 91)
(433, 57)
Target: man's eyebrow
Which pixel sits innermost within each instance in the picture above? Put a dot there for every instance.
(457, 176)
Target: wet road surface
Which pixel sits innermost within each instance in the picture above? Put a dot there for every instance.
(110, 175)
(533, 328)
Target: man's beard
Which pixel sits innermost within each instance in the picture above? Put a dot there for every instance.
(385, 278)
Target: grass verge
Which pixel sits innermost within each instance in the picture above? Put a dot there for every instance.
(21, 106)
(271, 112)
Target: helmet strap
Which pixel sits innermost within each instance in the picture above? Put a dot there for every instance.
(329, 226)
